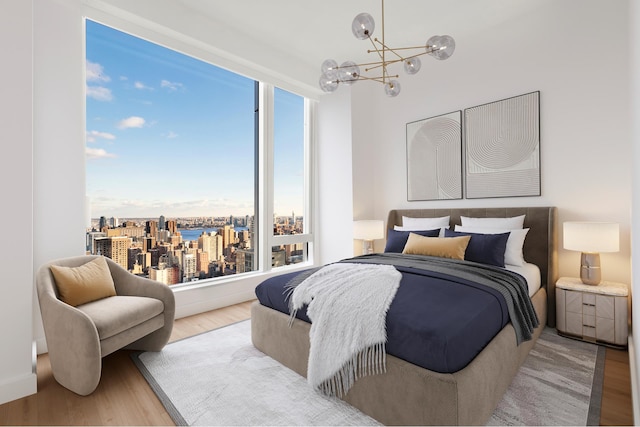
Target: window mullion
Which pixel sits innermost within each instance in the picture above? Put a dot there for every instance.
(266, 173)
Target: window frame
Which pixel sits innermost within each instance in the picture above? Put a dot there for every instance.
(264, 155)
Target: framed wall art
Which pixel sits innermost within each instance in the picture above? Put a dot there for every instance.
(434, 158)
(502, 148)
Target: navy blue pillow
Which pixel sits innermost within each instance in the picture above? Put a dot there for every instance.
(483, 248)
(397, 239)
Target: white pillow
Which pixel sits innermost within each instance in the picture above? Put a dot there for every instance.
(420, 228)
(513, 253)
(425, 223)
(512, 223)
(417, 224)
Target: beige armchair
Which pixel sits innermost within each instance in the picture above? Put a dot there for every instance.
(140, 317)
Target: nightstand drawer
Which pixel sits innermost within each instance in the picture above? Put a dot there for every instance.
(588, 320)
(574, 323)
(589, 310)
(605, 329)
(573, 302)
(605, 306)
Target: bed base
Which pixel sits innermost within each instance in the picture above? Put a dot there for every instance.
(408, 394)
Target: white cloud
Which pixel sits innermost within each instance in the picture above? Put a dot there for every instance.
(142, 86)
(171, 85)
(99, 93)
(171, 135)
(131, 122)
(95, 73)
(97, 153)
(93, 135)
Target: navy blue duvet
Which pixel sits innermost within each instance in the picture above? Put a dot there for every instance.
(436, 321)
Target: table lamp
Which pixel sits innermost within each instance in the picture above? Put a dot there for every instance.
(368, 231)
(591, 238)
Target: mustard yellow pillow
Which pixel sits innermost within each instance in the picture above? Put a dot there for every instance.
(80, 285)
(450, 247)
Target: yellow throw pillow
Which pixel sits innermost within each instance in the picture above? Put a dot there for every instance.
(80, 285)
(449, 247)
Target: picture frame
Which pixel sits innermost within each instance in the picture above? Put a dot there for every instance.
(502, 148)
(434, 158)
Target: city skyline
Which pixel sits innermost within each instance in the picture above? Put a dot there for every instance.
(167, 132)
(158, 248)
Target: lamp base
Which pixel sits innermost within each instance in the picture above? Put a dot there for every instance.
(590, 272)
(367, 247)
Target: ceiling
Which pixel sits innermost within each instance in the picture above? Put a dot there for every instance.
(313, 31)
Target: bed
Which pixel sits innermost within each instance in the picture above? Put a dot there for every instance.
(408, 394)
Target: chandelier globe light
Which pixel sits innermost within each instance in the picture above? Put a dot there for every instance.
(349, 72)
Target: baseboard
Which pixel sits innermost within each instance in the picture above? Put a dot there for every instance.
(185, 310)
(18, 387)
(633, 371)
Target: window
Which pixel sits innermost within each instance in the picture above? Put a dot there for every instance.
(172, 170)
(289, 177)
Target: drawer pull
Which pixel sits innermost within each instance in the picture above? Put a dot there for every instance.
(590, 305)
(589, 326)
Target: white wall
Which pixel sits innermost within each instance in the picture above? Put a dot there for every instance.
(334, 202)
(17, 373)
(575, 52)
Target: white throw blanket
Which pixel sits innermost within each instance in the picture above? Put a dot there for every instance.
(347, 305)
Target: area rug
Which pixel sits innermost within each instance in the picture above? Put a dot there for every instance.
(219, 378)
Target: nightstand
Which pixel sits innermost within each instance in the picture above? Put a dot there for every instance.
(592, 313)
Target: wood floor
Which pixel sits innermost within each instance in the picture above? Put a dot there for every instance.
(123, 397)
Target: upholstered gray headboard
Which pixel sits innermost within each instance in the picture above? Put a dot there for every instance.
(540, 246)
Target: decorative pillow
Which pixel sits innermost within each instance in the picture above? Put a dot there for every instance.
(484, 248)
(80, 285)
(425, 223)
(453, 247)
(511, 223)
(513, 253)
(397, 239)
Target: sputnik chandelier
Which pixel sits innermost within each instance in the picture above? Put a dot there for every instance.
(440, 47)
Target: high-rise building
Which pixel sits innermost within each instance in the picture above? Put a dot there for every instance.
(244, 260)
(228, 236)
(165, 274)
(144, 259)
(163, 236)
(132, 254)
(151, 228)
(161, 223)
(202, 262)
(189, 265)
(91, 240)
(126, 231)
(115, 248)
(172, 226)
(103, 223)
(244, 238)
(148, 243)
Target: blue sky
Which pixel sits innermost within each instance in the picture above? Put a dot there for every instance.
(168, 134)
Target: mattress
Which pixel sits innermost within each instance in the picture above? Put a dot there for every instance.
(435, 321)
(531, 274)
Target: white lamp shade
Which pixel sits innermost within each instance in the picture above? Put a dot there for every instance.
(371, 229)
(591, 236)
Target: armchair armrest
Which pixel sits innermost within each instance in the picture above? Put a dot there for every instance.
(132, 285)
(72, 340)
